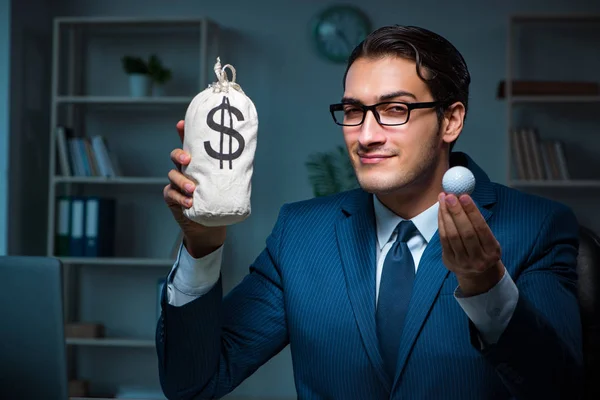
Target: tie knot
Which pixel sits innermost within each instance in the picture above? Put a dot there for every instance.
(405, 229)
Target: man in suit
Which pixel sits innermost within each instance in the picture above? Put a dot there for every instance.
(396, 290)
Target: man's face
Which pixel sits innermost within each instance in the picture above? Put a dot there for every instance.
(387, 159)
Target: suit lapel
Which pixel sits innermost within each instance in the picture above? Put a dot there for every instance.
(356, 235)
(432, 272)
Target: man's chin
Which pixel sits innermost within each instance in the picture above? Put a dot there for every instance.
(375, 186)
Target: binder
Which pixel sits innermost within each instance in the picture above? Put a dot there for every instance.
(76, 242)
(99, 227)
(63, 226)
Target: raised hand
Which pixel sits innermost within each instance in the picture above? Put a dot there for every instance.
(199, 240)
(469, 248)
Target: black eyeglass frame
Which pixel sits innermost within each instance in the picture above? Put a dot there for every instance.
(410, 106)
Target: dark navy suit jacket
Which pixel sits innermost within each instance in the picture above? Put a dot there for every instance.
(313, 287)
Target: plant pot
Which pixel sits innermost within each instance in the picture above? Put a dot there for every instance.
(158, 90)
(140, 85)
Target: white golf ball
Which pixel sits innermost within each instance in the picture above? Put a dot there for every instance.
(458, 180)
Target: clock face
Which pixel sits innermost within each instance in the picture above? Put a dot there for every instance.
(338, 29)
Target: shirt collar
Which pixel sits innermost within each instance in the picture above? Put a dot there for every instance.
(426, 222)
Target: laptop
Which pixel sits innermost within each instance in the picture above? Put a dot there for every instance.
(32, 342)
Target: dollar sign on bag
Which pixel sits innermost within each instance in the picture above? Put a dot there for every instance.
(225, 130)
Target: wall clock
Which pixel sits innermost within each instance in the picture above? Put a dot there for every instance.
(338, 29)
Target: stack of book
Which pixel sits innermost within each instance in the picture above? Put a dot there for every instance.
(83, 156)
(537, 159)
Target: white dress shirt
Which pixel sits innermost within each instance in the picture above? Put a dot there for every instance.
(490, 312)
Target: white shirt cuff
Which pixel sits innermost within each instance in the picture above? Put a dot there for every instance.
(192, 277)
(491, 311)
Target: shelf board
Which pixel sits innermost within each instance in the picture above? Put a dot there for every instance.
(118, 180)
(142, 262)
(555, 183)
(130, 20)
(110, 342)
(158, 100)
(137, 397)
(567, 17)
(555, 99)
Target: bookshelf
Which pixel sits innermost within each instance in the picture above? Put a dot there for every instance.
(140, 262)
(552, 138)
(570, 183)
(118, 180)
(554, 99)
(122, 100)
(91, 98)
(111, 342)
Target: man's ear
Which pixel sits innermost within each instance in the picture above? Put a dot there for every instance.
(452, 123)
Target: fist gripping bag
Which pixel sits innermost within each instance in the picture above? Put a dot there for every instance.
(221, 124)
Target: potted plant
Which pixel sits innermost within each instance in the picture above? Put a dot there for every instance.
(139, 78)
(331, 172)
(158, 74)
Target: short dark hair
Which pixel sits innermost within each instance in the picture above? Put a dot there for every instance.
(447, 77)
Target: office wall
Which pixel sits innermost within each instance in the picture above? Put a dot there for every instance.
(268, 43)
(4, 118)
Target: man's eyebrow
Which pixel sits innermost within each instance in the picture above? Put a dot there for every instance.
(400, 93)
(350, 100)
(383, 97)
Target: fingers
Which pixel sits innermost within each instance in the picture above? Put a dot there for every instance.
(180, 190)
(180, 157)
(446, 247)
(464, 230)
(180, 182)
(484, 233)
(175, 197)
(464, 226)
(179, 127)
(452, 235)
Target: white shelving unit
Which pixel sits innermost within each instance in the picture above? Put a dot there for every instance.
(142, 262)
(90, 96)
(559, 23)
(111, 342)
(121, 100)
(554, 99)
(119, 180)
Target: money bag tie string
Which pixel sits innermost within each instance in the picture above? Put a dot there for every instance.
(223, 83)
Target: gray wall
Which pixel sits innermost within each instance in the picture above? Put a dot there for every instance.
(269, 45)
(4, 120)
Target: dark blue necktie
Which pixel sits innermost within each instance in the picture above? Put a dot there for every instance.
(395, 289)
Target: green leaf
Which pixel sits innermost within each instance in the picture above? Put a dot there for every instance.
(134, 65)
(330, 172)
(157, 71)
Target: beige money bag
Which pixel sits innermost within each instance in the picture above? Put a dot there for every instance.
(221, 125)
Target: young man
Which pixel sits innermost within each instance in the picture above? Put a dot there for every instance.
(394, 290)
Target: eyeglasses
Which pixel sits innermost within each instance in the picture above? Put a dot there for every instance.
(389, 113)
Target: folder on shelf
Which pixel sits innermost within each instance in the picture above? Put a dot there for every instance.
(99, 227)
(62, 226)
(76, 242)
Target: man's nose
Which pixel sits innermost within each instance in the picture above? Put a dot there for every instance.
(370, 130)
